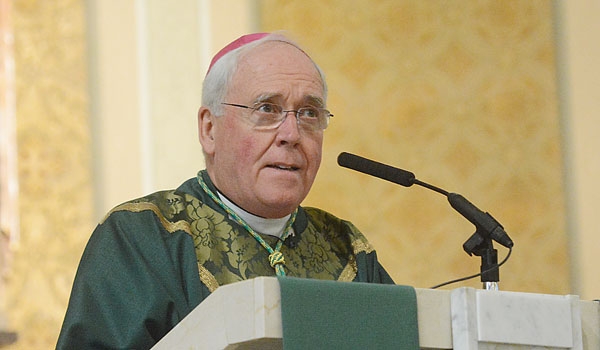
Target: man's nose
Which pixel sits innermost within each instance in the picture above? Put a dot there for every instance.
(289, 130)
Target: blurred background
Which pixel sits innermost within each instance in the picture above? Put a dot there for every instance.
(495, 100)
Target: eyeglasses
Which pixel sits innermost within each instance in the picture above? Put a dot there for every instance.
(267, 116)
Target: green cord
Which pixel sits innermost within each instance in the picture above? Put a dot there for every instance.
(276, 258)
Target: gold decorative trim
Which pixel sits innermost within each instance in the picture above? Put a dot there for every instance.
(362, 246)
(139, 207)
(349, 272)
(208, 279)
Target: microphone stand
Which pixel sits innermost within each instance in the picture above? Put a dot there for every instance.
(482, 245)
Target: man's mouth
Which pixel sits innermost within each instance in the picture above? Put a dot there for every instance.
(283, 167)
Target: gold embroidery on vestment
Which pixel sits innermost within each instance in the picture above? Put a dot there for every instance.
(143, 206)
(208, 279)
(362, 246)
(350, 271)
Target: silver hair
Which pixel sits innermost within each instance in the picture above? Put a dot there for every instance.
(218, 79)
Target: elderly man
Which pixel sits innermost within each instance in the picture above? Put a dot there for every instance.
(152, 260)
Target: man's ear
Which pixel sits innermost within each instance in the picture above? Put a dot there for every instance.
(206, 129)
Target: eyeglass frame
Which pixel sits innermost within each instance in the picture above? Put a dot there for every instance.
(284, 114)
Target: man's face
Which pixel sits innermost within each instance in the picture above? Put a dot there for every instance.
(268, 172)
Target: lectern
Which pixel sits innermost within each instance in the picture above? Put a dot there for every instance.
(247, 315)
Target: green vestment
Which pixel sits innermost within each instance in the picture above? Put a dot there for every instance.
(153, 260)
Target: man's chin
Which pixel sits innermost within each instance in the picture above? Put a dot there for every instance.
(278, 206)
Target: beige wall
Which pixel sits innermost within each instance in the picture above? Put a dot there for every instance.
(54, 165)
(463, 93)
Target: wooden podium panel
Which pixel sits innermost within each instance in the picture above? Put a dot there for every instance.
(247, 315)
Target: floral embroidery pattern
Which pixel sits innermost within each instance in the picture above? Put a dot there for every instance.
(323, 250)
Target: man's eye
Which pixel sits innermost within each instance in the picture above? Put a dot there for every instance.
(267, 108)
(309, 112)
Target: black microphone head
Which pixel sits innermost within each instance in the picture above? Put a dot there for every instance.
(483, 221)
(382, 171)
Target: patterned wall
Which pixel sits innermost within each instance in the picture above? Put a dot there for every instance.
(53, 139)
(462, 93)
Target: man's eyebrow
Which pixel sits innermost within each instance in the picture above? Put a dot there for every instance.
(267, 97)
(315, 101)
(307, 100)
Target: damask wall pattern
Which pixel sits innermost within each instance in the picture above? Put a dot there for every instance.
(462, 93)
(54, 168)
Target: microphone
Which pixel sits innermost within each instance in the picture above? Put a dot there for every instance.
(482, 221)
(382, 171)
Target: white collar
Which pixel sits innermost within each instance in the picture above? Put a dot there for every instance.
(272, 227)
